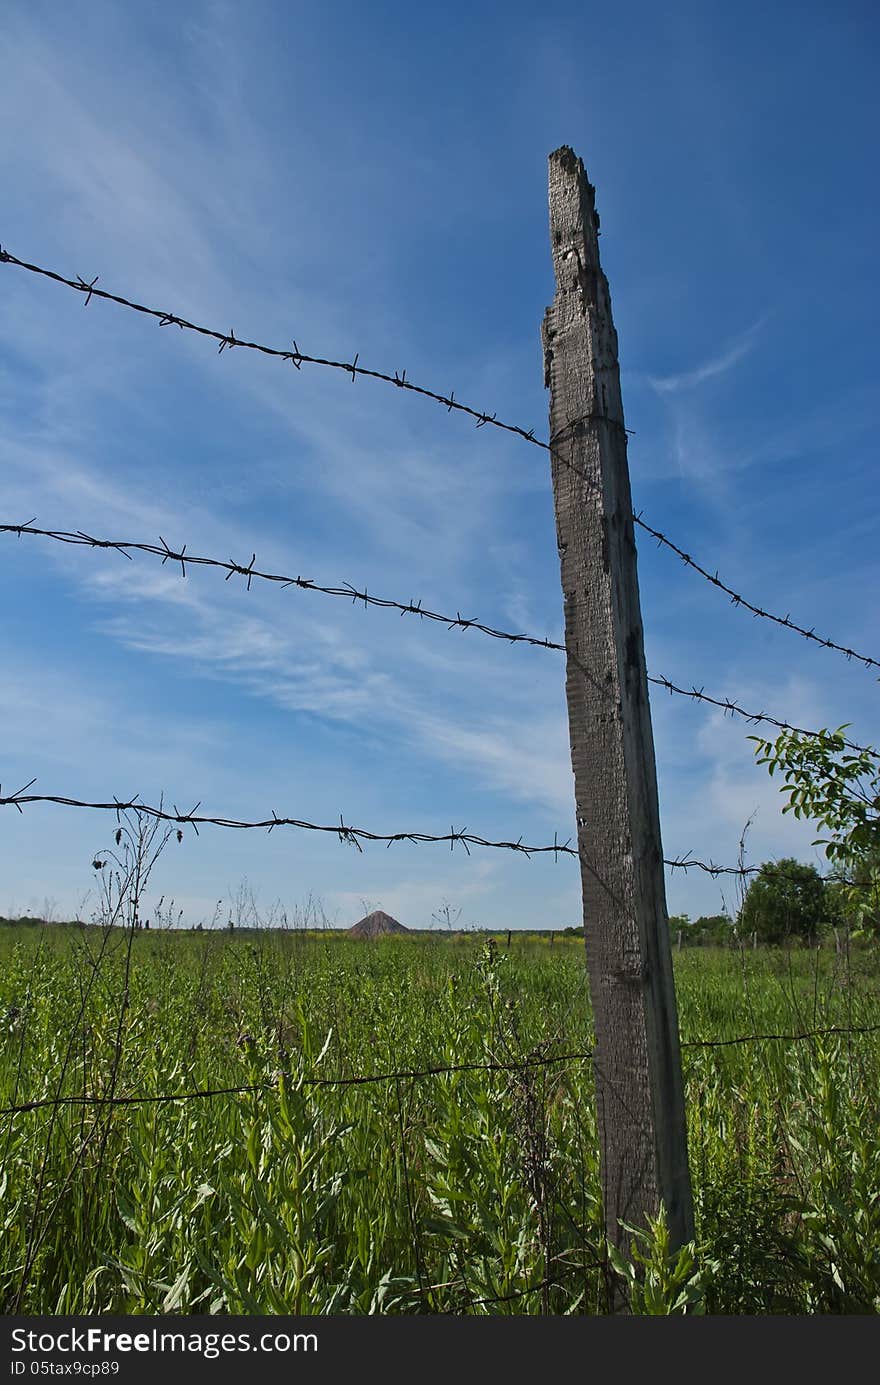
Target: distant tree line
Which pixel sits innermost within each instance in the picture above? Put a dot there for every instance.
(787, 903)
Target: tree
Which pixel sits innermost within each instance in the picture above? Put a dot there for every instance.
(839, 788)
(678, 927)
(785, 903)
(707, 931)
(713, 930)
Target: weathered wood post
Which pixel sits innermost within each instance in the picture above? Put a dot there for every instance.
(639, 1089)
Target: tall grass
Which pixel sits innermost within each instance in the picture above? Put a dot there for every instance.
(475, 1191)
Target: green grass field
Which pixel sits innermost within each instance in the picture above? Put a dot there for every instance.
(468, 1192)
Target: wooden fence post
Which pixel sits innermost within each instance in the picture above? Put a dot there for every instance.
(639, 1088)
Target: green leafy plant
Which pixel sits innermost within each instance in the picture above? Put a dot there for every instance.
(828, 782)
(786, 901)
(475, 1191)
(657, 1280)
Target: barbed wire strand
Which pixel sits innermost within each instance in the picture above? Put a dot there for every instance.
(738, 600)
(732, 708)
(298, 358)
(369, 1079)
(362, 1080)
(830, 1030)
(250, 572)
(355, 835)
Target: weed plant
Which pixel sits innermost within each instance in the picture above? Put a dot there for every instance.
(471, 1191)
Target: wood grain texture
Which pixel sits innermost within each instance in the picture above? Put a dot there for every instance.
(640, 1098)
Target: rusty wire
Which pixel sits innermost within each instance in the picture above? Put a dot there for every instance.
(353, 836)
(370, 1079)
(298, 358)
(362, 1080)
(249, 571)
(833, 1030)
(295, 357)
(738, 600)
(733, 708)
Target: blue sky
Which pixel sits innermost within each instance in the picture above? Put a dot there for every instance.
(374, 179)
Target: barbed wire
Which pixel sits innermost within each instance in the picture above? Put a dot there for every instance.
(298, 358)
(163, 551)
(415, 1074)
(727, 705)
(834, 1029)
(250, 572)
(687, 862)
(355, 835)
(361, 1080)
(738, 600)
(350, 835)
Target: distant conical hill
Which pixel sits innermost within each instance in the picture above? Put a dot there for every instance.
(376, 925)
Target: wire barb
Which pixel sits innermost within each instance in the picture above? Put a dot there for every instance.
(87, 287)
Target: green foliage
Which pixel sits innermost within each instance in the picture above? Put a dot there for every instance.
(657, 1280)
(715, 930)
(838, 788)
(472, 1192)
(785, 902)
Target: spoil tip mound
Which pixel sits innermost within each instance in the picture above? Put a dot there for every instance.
(376, 925)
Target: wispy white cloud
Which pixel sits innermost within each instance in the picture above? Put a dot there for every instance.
(711, 368)
(527, 761)
(68, 719)
(309, 667)
(722, 792)
(147, 155)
